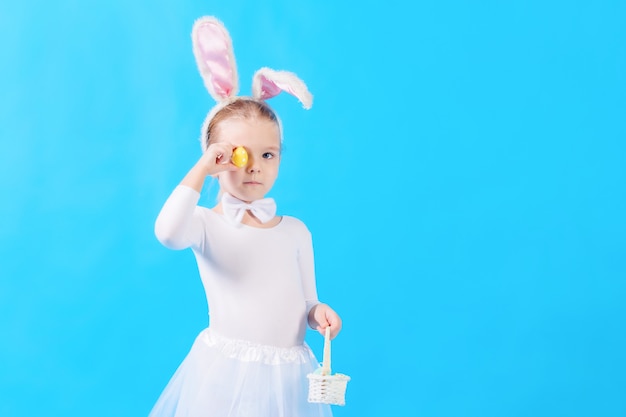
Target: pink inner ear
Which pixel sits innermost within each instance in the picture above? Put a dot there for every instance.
(270, 88)
(215, 54)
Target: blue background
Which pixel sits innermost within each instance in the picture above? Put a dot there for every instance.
(462, 170)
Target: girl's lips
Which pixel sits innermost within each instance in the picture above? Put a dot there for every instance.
(252, 183)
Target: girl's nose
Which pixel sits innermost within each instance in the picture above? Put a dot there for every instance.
(252, 165)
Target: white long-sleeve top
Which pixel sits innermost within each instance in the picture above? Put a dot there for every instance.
(259, 282)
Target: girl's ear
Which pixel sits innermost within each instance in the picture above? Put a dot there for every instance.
(213, 49)
(268, 83)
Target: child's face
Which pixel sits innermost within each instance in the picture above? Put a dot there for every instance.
(261, 139)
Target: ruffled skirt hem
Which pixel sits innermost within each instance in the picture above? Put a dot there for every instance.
(222, 377)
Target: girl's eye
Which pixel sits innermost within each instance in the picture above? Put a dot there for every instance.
(268, 155)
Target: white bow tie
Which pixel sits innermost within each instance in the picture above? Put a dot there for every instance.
(234, 209)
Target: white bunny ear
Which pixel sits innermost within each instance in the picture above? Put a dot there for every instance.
(213, 49)
(268, 83)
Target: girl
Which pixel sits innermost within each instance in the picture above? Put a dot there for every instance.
(257, 268)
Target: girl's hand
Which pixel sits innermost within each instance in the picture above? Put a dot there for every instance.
(217, 158)
(321, 316)
(214, 160)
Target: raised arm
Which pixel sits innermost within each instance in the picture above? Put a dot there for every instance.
(176, 226)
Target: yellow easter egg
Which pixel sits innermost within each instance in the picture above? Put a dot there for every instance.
(239, 157)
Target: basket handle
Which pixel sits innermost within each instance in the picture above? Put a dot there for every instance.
(326, 361)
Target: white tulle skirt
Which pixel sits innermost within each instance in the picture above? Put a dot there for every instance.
(222, 377)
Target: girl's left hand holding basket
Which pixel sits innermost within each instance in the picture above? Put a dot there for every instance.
(322, 316)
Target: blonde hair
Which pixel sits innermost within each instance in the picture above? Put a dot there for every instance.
(242, 108)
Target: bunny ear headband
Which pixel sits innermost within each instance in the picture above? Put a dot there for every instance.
(213, 49)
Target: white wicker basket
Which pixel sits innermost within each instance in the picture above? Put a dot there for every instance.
(325, 387)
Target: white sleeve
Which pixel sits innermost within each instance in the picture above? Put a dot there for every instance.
(307, 271)
(179, 225)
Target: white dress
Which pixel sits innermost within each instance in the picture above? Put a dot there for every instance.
(260, 285)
